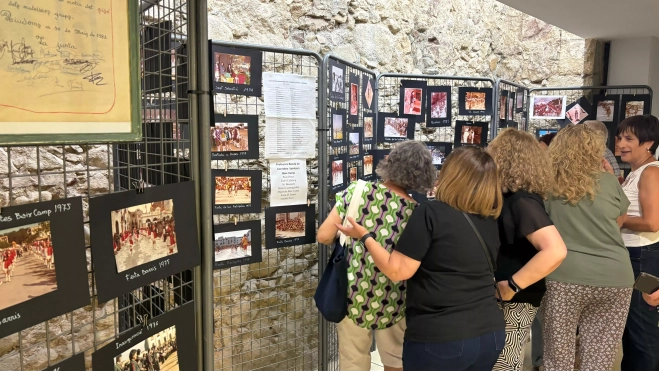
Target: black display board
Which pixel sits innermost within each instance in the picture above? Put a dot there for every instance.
(475, 101)
(368, 91)
(337, 164)
(232, 235)
(439, 152)
(337, 77)
(236, 191)
(353, 107)
(355, 136)
(235, 70)
(244, 146)
(368, 171)
(634, 104)
(75, 363)
(276, 238)
(412, 99)
(117, 271)
(369, 128)
(464, 131)
(439, 106)
(394, 128)
(37, 292)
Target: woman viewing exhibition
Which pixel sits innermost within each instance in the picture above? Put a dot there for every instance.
(374, 301)
(453, 319)
(638, 137)
(531, 247)
(592, 288)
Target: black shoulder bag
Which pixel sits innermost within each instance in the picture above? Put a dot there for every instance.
(485, 250)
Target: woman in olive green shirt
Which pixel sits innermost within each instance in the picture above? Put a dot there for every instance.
(592, 288)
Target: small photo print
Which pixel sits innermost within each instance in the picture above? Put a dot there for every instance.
(229, 137)
(475, 101)
(354, 99)
(471, 135)
(233, 245)
(502, 107)
(337, 126)
(289, 225)
(143, 233)
(353, 174)
(576, 114)
(511, 107)
(337, 80)
(413, 99)
(368, 127)
(233, 69)
(438, 106)
(337, 172)
(520, 100)
(634, 108)
(432, 193)
(368, 165)
(548, 107)
(353, 145)
(438, 154)
(232, 190)
(158, 352)
(543, 132)
(28, 263)
(368, 94)
(395, 127)
(605, 110)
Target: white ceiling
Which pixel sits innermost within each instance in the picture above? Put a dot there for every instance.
(596, 19)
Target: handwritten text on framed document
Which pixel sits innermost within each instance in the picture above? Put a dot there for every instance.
(69, 71)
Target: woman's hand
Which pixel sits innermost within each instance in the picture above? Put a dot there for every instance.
(607, 167)
(652, 299)
(506, 291)
(355, 230)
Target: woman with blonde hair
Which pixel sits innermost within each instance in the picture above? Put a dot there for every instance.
(445, 253)
(592, 288)
(531, 247)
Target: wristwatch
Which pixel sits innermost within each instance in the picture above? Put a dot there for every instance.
(365, 237)
(513, 285)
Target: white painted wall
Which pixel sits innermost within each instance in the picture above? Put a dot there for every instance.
(636, 62)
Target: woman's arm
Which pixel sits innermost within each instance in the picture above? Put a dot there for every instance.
(396, 266)
(648, 196)
(551, 252)
(327, 231)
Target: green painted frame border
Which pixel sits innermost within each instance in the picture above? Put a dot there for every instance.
(135, 133)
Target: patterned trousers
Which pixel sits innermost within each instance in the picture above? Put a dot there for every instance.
(599, 312)
(519, 317)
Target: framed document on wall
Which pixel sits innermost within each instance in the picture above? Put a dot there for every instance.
(70, 78)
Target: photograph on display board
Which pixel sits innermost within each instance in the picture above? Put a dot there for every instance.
(353, 111)
(439, 152)
(166, 343)
(577, 112)
(439, 101)
(511, 106)
(432, 193)
(369, 171)
(338, 173)
(352, 174)
(290, 226)
(369, 128)
(634, 105)
(237, 244)
(393, 128)
(469, 133)
(519, 106)
(503, 99)
(368, 84)
(236, 191)
(475, 101)
(337, 73)
(354, 144)
(542, 132)
(42, 254)
(338, 127)
(143, 233)
(605, 107)
(234, 137)
(412, 100)
(236, 70)
(549, 107)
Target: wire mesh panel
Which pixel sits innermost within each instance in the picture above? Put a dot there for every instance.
(31, 174)
(364, 122)
(388, 98)
(264, 314)
(510, 105)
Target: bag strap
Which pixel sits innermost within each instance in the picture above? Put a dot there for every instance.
(485, 250)
(353, 208)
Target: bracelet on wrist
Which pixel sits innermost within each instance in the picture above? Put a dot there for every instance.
(365, 238)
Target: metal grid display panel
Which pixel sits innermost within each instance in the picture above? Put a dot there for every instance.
(264, 315)
(388, 99)
(330, 353)
(519, 117)
(31, 174)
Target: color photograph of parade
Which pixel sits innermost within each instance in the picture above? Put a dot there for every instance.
(143, 233)
(605, 110)
(229, 137)
(337, 127)
(368, 127)
(233, 245)
(475, 101)
(353, 174)
(395, 127)
(438, 154)
(337, 172)
(232, 69)
(548, 107)
(28, 263)
(289, 225)
(438, 105)
(232, 190)
(354, 102)
(368, 164)
(156, 353)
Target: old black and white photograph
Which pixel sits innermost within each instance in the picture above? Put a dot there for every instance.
(236, 70)
(290, 225)
(143, 233)
(337, 79)
(439, 152)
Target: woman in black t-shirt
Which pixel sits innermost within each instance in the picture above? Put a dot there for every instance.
(453, 320)
(531, 247)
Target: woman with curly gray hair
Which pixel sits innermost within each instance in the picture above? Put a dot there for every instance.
(374, 301)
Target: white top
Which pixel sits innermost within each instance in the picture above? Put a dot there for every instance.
(630, 186)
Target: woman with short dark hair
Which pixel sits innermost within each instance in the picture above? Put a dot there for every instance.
(376, 302)
(453, 320)
(638, 137)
